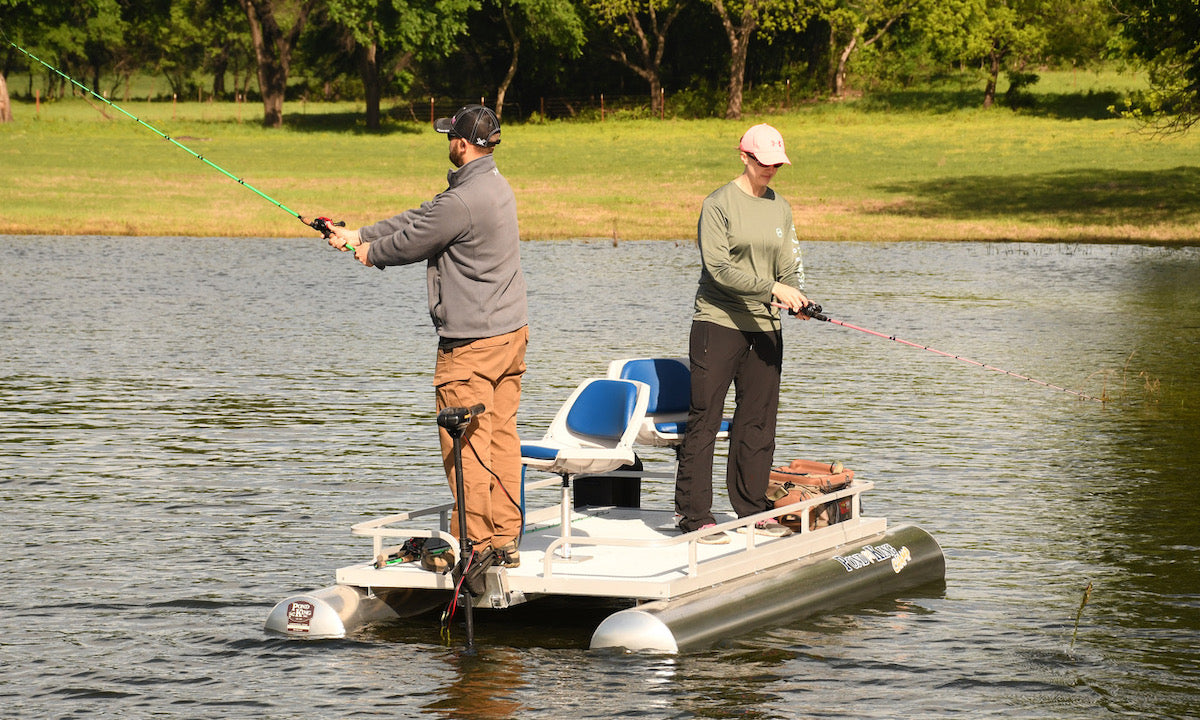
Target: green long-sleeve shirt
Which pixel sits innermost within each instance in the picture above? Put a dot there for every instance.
(747, 244)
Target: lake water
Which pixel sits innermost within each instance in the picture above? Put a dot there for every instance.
(188, 428)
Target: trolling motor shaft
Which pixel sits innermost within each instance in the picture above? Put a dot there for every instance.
(455, 421)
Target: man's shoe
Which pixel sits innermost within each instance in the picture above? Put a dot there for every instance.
(508, 555)
(768, 528)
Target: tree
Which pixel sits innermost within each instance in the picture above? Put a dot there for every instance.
(1165, 34)
(386, 36)
(857, 24)
(171, 41)
(14, 16)
(6, 115)
(742, 19)
(273, 46)
(547, 22)
(640, 27)
(13, 13)
(218, 41)
(998, 34)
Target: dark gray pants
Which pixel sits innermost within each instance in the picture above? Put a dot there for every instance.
(752, 361)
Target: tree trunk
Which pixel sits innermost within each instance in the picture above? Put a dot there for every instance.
(989, 93)
(220, 67)
(651, 44)
(839, 73)
(656, 95)
(739, 47)
(507, 81)
(368, 63)
(273, 50)
(512, 66)
(5, 105)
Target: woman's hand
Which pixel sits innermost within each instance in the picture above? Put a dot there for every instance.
(789, 297)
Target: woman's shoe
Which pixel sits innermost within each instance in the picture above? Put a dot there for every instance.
(768, 528)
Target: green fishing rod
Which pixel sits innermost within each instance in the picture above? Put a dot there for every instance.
(321, 224)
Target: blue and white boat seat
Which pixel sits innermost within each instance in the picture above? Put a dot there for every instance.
(670, 382)
(593, 432)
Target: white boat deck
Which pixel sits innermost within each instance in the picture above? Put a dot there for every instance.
(614, 551)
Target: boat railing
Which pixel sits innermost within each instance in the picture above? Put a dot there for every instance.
(397, 526)
(381, 528)
(692, 539)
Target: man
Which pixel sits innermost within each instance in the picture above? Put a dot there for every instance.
(468, 237)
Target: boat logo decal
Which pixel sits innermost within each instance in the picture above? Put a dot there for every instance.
(871, 554)
(299, 615)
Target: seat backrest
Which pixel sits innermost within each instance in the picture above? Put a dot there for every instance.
(603, 410)
(670, 382)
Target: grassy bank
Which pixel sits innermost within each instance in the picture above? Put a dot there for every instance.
(886, 168)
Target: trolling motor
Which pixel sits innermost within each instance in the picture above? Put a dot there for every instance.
(455, 420)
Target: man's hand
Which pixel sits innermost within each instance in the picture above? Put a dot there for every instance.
(344, 240)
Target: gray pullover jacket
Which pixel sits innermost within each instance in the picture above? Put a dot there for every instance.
(468, 236)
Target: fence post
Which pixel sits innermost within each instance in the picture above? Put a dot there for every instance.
(432, 120)
(601, 107)
(662, 104)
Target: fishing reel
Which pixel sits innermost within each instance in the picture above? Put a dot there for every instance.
(813, 310)
(322, 224)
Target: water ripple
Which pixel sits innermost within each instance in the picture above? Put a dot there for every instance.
(184, 443)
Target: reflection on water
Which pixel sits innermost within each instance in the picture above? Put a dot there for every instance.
(187, 440)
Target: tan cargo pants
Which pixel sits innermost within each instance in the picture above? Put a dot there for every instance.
(486, 371)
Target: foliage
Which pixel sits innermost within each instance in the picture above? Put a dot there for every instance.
(388, 36)
(1165, 34)
(742, 20)
(706, 57)
(639, 30)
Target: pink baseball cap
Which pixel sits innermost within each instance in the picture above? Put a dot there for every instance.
(765, 143)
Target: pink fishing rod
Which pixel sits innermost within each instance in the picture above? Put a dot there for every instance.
(814, 312)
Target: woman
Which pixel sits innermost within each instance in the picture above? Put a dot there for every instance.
(751, 262)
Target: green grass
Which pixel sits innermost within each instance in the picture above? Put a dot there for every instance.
(897, 166)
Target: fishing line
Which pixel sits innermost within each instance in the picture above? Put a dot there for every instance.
(814, 312)
(320, 224)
